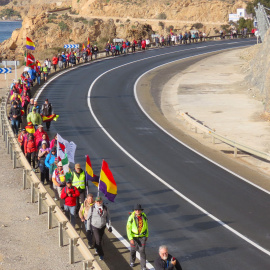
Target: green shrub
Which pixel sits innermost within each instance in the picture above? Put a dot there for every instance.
(197, 25)
(162, 16)
(9, 12)
(63, 26)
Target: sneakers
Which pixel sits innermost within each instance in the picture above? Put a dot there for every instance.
(96, 251)
(101, 258)
(131, 264)
(55, 199)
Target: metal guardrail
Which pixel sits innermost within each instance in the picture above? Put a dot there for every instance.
(14, 149)
(237, 146)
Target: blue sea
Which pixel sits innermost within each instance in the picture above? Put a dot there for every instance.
(6, 29)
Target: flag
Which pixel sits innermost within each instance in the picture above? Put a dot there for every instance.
(107, 183)
(30, 60)
(65, 147)
(83, 47)
(66, 168)
(61, 146)
(88, 42)
(48, 118)
(30, 128)
(22, 112)
(90, 176)
(30, 45)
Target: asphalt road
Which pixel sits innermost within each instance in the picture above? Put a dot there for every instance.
(191, 235)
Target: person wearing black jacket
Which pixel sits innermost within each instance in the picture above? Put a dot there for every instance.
(165, 261)
(47, 110)
(15, 117)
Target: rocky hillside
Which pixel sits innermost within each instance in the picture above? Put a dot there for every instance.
(103, 20)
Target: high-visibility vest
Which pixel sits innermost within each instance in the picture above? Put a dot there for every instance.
(132, 229)
(79, 182)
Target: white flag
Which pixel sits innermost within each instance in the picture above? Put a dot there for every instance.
(65, 147)
(71, 151)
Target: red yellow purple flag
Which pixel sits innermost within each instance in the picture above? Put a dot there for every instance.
(83, 47)
(30, 45)
(88, 42)
(89, 173)
(107, 184)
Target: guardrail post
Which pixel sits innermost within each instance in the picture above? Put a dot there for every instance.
(24, 178)
(32, 193)
(72, 243)
(61, 227)
(8, 144)
(71, 250)
(86, 265)
(14, 159)
(50, 209)
(235, 152)
(195, 129)
(213, 140)
(11, 150)
(40, 198)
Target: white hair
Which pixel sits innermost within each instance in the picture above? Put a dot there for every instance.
(162, 247)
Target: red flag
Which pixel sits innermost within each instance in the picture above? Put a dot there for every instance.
(30, 60)
(62, 147)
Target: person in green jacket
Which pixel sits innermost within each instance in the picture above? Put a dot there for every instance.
(35, 118)
(137, 233)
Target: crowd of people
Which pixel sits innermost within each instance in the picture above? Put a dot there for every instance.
(74, 194)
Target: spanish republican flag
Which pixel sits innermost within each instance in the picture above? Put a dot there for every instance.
(30, 128)
(83, 47)
(88, 42)
(90, 176)
(30, 45)
(49, 118)
(107, 184)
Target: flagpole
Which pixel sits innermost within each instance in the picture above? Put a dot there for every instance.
(86, 180)
(99, 178)
(57, 146)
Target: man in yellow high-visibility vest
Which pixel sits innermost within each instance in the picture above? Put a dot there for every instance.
(78, 181)
(137, 233)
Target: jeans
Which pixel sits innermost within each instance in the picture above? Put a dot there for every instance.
(15, 125)
(38, 80)
(70, 210)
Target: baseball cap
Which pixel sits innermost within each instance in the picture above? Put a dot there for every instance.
(98, 199)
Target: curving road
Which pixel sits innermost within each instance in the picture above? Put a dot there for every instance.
(192, 235)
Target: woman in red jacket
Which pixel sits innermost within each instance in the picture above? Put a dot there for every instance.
(30, 150)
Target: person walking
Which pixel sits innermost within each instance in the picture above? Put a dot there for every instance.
(78, 181)
(15, 116)
(51, 164)
(34, 118)
(166, 261)
(22, 137)
(69, 194)
(39, 133)
(30, 150)
(55, 62)
(83, 213)
(98, 216)
(137, 233)
(59, 181)
(95, 51)
(47, 110)
(44, 171)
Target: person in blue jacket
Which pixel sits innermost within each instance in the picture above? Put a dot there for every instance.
(49, 162)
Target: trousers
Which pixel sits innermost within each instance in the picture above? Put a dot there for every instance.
(139, 245)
